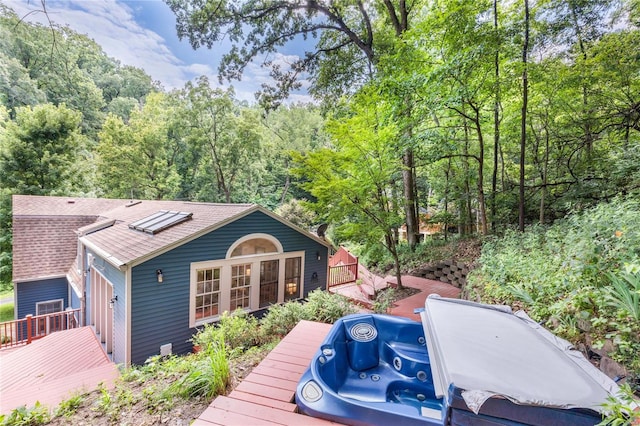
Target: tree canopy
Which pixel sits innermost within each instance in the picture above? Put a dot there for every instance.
(434, 88)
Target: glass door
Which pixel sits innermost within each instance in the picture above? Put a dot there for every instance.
(268, 282)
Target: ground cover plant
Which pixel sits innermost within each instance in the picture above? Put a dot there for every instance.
(580, 277)
(174, 390)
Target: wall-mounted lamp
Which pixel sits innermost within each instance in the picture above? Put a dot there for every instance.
(318, 255)
(314, 277)
(113, 300)
(159, 275)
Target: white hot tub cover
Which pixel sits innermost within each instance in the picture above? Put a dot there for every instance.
(486, 350)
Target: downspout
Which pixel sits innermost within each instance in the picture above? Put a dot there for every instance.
(83, 292)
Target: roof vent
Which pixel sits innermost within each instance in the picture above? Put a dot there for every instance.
(132, 203)
(160, 221)
(71, 201)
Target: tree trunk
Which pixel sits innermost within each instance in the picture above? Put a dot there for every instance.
(410, 198)
(496, 119)
(446, 197)
(523, 121)
(481, 202)
(468, 220)
(545, 171)
(396, 261)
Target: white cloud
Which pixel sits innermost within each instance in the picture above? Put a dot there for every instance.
(113, 26)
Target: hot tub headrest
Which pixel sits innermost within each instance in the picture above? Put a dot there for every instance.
(362, 342)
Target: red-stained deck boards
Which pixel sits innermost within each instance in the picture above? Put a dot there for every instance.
(266, 396)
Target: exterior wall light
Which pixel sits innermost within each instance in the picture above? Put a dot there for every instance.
(159, 275)
(318, 255)
(112, 301)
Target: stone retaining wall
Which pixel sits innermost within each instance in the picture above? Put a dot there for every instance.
(446, 271)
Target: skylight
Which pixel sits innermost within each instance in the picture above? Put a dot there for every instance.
(160, 221)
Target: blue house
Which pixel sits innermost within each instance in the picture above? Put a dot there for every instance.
(147, 274)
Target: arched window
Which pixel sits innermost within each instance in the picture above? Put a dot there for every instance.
(254, 244)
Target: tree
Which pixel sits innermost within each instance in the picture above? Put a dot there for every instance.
(295, 128)
(523, 121)
(40, 150)
(138, 159)
(39, 155)
(228, 138)
(352, 182)
(353, 36)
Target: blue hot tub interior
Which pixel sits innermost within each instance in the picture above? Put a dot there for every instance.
(374, 369)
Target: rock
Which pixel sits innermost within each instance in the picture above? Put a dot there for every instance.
(605, 350)
(612, 368)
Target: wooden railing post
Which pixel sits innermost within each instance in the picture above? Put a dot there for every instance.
(356, 274)
(29, 326)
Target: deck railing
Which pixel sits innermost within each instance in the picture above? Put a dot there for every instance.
(343, 268)
(343, 274)
(24, 331)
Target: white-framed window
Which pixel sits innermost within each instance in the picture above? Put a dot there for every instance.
(240, 286)
(207, 294)
(248, 279)
(292, 278)
(49, 307)
(254, 244)
(269, 279)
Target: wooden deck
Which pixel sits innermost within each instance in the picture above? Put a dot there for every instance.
(267, 395)
(53, 369)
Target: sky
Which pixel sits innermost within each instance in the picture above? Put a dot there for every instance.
(142, 33)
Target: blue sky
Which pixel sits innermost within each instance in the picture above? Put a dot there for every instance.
(142, 33)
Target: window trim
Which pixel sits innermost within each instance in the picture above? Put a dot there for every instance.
(60, 301)
(224, 301)
(195, 291)
(271, 238)
(244, 276)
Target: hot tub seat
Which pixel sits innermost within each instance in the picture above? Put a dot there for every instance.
(373, 374)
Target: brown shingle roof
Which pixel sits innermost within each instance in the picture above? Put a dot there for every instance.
(45, 230)
(44, 239)
(126, 245)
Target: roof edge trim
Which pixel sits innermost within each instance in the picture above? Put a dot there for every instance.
(112, 260)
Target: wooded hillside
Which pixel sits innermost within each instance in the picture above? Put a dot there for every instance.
(483, 116)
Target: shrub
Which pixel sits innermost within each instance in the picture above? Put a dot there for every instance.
(323, 306)
(23, 416)
(280, 320)
(581, 274)
(622, 410)
(384, 300)
(239, 331)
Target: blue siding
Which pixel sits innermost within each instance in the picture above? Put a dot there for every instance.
(117, 278)
(75, 299)
(30, 293)
(160, 311)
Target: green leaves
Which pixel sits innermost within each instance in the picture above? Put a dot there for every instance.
(39, 150)
(624, 294)
(579, 275)
(137, 159)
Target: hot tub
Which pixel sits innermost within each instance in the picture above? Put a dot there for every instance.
(464, 364)
(379, 366)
